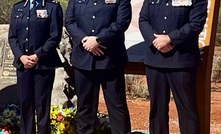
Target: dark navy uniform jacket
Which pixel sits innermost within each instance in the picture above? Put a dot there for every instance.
(29, 34)
(106, 20)
(183, 24)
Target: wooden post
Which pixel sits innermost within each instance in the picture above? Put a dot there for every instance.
(205, 69)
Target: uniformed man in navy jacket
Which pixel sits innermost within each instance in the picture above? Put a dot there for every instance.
(34, 34)
(171, 30)
(99, 56)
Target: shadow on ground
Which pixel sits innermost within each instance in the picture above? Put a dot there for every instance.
(8, 95)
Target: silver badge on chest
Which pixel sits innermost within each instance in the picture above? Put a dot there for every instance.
(181, 2)
(110, 1)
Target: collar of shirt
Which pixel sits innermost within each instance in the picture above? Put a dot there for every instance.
(32, 4)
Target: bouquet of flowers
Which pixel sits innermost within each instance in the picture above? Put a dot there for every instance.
(10, 120)
(64, 121)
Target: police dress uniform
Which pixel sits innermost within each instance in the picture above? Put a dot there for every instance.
(108, 20)
(36, 31)
(182, 20)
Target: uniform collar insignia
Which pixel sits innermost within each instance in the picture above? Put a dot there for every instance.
(20, 10)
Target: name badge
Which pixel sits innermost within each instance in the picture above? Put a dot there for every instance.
(110, 1)
(42, 13)
(181, 2)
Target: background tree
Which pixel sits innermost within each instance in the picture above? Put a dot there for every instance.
(5, 9)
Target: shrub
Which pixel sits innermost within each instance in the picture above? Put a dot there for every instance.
(136, 86)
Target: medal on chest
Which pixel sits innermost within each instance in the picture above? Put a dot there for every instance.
(42, 13)
(110, 1)
(181, 2)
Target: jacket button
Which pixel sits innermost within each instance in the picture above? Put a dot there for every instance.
(26, 50)
(92, 31)
(95, 4)
(26, 39)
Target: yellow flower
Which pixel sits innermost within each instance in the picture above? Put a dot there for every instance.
(66, 125)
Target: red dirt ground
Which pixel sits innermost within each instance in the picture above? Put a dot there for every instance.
(139, 110)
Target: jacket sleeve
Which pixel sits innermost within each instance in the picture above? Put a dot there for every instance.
(13, 38)
(71, 25)
(192, 29)
(145, 27)
(55, 33)
(124, 14)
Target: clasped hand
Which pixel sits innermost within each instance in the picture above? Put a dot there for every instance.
(90, 44)
(162, 43)
(29, 61)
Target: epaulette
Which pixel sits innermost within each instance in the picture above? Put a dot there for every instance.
(53, 1)
(19, 2)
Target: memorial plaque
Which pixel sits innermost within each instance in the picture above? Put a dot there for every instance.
(8, 71)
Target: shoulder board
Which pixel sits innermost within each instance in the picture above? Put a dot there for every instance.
(22, 1)
(53, 1)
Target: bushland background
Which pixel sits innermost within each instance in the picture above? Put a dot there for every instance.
(137, 93)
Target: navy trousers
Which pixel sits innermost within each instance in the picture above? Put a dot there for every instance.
(182, 83)
(88, 85)
(35, 87)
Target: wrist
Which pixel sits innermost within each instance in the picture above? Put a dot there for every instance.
(98, 40)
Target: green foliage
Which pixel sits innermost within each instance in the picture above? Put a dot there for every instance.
(5, 10)
(6, 5)
(218, 39)
(64, 4)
